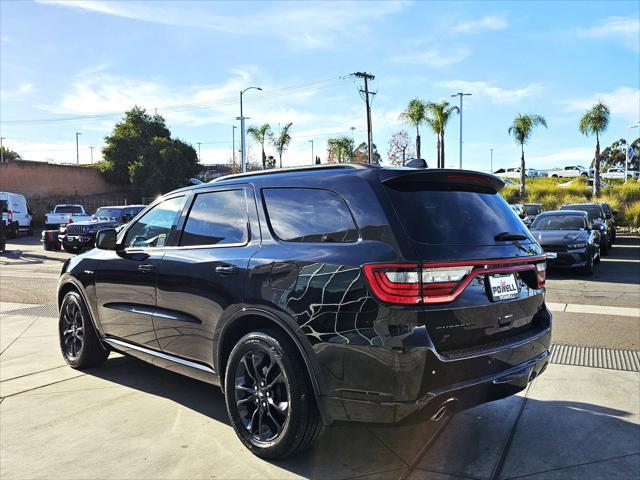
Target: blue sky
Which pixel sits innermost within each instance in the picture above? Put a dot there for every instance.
(70, 61)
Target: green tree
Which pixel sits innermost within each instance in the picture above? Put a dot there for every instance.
(260, 135)
(9, 154)
(361, 154)
(340, 149)
(415, 115)
(140, 152)
(614, 155)
(438, 115)
(594, 122)
(166, 164)
(521, 130)
(399, 148)
(282, 140)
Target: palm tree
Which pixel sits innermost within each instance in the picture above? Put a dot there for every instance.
(595, 121)
(340, 149)
(438, 115)
(260, 135)
(521, 130)
(282, 140)
(415, 114)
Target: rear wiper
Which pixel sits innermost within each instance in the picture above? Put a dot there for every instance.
(502, 236)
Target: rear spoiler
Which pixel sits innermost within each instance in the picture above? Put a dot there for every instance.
(441, 177)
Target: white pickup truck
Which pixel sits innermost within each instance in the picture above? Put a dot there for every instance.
(62, 214)
(570, 171)
(618, 172)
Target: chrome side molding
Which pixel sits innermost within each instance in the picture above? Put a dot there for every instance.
(165, 356)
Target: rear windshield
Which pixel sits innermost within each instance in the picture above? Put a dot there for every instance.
(68, 209)
(453, 217)
(594, 211)
(559, 222)
(108, 213)
(532, 209)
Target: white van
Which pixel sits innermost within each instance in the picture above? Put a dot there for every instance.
(17, 216)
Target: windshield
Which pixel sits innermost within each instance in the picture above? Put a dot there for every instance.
(444, 217)
(73, 209)
(559, 222)
(532, 209)
(594, 211)
(108, 213)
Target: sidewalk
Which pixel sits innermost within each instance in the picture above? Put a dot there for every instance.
(128, 419)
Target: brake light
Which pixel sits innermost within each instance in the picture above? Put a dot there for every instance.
(394, 283)
(541, 270)
(442, 281)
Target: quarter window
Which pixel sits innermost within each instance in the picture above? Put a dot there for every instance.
(309, 215)
(152, 230)
(217, 218)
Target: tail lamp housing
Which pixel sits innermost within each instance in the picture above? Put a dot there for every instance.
(410, 284)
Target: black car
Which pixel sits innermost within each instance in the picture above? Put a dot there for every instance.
(571, 235)
(610, 216)
(319, 295)
(82, 235)
(599, 220)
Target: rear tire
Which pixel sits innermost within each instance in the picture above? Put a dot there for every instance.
(588, 268)
(270, 401)
(79, 342)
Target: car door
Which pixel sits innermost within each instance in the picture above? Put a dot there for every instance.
(125, 279)
(201, 277)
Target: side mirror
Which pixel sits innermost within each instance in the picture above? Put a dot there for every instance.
(106, 239)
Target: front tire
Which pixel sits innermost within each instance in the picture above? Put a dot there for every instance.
(588, 268)
(269, 398)
(79, 342)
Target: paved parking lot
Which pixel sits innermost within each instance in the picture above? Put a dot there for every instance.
(128, 419)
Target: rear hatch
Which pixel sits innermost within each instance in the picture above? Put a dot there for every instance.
(480, 274)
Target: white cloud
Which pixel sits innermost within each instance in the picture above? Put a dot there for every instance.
(624, 29)
(434, 57)
(494, 93)
(309, 24)
(17, 93)
(623, 101)
(488, 22)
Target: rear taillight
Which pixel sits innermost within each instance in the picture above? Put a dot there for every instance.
(541, 270)
(440, 283)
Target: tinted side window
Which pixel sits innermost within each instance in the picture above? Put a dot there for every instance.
(309, 215)
(152, 230)
(217, 218)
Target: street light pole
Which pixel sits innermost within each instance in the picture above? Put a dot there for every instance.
(91, 149)
(199, 157)
(626, 160)
(233, 144)
(313, 160)
(491, 161)
(460, 94)
(1, 151)
(77, 149)
(242, 130)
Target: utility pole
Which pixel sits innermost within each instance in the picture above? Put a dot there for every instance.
(353, 129)
(242, 130)
(77, 149)
(233, 144)
(91, 149)
(199, 157)
(1, 150)
(313, 159)
(491, 161)
(460, 94)
(367, 76)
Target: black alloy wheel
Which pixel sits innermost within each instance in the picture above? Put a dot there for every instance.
(72, 331)
(262, 395)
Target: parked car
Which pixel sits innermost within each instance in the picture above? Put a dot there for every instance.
(532, 210)
(570, 171)
(610, 216)
(321, 294)
(515, 173)
(618, 173)
(16, 215)
(520, 211)
(599, 220)
(571, 235)
(63, 214)
(79, 236)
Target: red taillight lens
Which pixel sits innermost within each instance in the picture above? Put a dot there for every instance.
(541, 270)
(394, 283)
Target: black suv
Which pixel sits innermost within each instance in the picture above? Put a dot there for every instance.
(82, 235)
(601, 220)
(320, 295)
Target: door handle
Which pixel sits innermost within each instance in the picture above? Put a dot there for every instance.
(145, 268)
(226, 269)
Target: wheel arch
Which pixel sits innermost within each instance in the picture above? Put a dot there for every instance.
(71, 284)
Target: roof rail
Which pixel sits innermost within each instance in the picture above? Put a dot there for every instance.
(271, 171)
